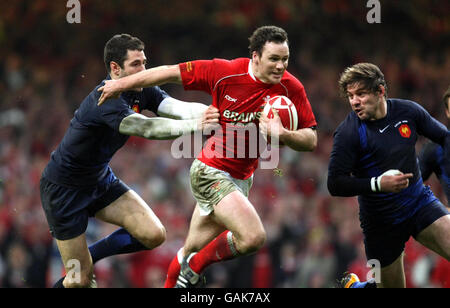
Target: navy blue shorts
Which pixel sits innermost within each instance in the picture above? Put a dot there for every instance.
(68, 208)
(387, 242)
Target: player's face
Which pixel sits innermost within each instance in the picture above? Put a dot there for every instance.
(367, 105)
(270, 66)
(134, 63)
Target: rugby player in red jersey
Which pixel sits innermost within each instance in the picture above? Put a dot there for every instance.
(225, 224)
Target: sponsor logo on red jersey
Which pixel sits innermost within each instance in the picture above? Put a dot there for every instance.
(188, 66)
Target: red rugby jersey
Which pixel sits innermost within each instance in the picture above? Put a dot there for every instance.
(239, 96)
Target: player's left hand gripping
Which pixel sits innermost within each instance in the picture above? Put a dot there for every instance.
(108, 91)
(210, 118)
(270, 126)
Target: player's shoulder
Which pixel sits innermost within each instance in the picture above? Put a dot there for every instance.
(95, 94)
(92, 97)
(292, 82)
(112, 103)
(349, 125)
(404, 105)
(233, 65)
(156, 90)
(346, 135)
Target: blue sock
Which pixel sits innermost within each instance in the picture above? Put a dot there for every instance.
(118, 242)
(364, 285)
(59, 284)
(359, 285)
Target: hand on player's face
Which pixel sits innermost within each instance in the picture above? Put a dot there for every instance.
(134, 63)
(109, 90)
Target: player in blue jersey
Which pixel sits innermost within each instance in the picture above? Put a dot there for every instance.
(374, 158)
(433, 158)
(78, 183)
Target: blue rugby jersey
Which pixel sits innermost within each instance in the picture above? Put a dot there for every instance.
(93, 136)
(434, 159)
(364, 149)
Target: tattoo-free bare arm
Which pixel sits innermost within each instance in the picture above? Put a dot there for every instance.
(151, 77)
(156, 128)
(304, 139)
(176, 109)
(163, 128)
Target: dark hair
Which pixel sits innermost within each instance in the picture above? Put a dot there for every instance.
(368, 75)
(117, 47)
(446, 97)
(266, 34)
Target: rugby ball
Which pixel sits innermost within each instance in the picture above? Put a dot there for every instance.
(286, 110)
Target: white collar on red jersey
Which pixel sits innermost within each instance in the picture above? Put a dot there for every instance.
(250, 70)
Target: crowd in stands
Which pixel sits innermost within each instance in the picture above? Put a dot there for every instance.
(48, 66)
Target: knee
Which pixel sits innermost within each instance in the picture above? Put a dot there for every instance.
(154, 237)
(251, 243)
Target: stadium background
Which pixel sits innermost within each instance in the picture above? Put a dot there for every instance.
(48, 66)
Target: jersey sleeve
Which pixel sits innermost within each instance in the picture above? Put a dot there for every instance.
(152, 98)
(446, 162)
(305, 113)
(428, 160)
(113, 112)
(429, 126)
(343, 159)
(202, 75)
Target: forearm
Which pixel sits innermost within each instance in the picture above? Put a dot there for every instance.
(156, 128)
(151, 77)
(176, 109)
(348, 186)
(341, 182)
(300, 140)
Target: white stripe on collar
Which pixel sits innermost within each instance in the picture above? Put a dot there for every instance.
(250, 70)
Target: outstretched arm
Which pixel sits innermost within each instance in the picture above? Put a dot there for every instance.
(180, 110)
(162, 128)
(304, 139)
(148, 78)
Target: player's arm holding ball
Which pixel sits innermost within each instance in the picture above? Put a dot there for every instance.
(281, 120)
(303, 139)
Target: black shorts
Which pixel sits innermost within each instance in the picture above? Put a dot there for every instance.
(387, 242)
(68, 208)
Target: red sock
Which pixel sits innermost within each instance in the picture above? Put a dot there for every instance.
(220, 249)
(173, 272)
